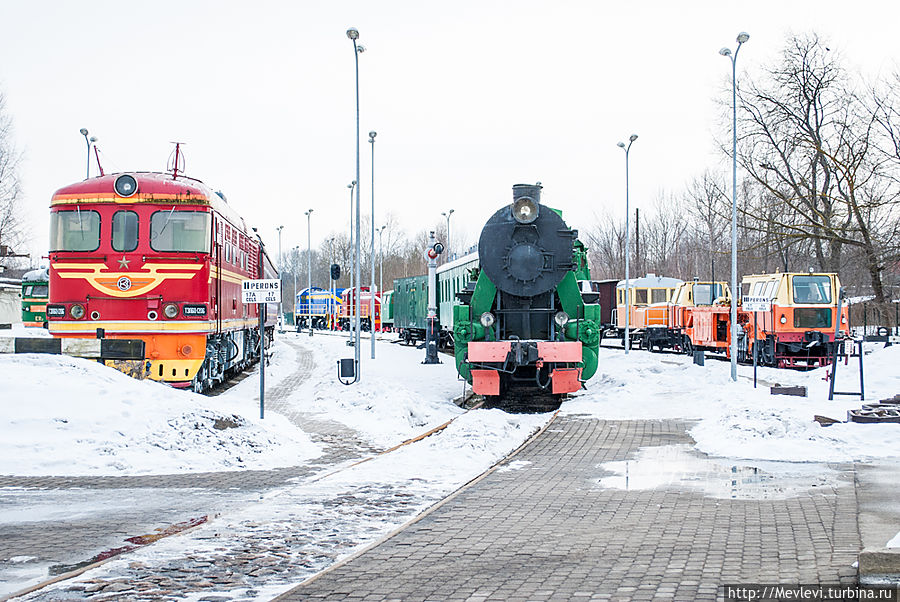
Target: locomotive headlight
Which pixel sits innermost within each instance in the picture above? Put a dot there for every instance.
(125, 185)
(487, 319)
(170, 310)
(783, 319)
(843, 319)
(525, 210)
(76, 311)
(561, 318)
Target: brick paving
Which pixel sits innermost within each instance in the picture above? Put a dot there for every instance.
(548, 531)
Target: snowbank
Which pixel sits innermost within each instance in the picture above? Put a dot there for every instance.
(735, 420)
(69, 416)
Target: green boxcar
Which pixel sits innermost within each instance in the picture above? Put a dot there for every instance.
(410, 300)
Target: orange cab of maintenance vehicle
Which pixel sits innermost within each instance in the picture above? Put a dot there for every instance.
(647, 307)
(798, 329)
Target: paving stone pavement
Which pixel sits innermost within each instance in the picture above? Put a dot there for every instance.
(548, 531)
(83, 517)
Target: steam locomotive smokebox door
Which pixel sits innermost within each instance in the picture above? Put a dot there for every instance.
(347, 368)
(526, 255)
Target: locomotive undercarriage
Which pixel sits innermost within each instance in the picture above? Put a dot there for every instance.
(227, 354)
(809, 352)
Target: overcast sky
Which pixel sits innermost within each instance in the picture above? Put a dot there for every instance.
(468, 98)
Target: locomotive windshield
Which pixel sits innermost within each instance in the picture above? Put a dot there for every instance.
(125, 231)
(812, 289)
(74, 231)
(180, 231)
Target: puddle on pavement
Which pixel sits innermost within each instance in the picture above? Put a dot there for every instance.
(682, 467)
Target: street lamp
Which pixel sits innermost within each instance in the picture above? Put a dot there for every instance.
(741, 38)
(447, 214)
(372, 135)
(88, 142)
(281, 282)
(627, 341)
(308, 215)
(353, 34)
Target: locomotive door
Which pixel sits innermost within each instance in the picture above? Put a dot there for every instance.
(218, 307)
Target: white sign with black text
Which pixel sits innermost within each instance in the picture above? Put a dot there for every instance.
(755, 303)
(261, 291)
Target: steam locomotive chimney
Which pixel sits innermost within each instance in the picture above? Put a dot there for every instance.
(532, 191)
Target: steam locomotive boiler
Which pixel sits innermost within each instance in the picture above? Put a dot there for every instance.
(524, 327)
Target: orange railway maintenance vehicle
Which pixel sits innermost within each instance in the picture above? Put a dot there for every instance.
(158, 257)
(797, 328)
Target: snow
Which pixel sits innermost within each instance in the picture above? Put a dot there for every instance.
(732, 419)
(78, 417)
(396, 397)
(894, 542)
(81, 418)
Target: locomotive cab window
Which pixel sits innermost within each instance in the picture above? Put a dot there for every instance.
(812, 289)
(640, 296)
(124, 231)
(37, 290)
(658, 295)
(180, 231)
(74, 231)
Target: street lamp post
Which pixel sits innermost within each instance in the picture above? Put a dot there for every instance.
(296, 251)
(447, 214)
(88, 142)
(308, 215)
(741, 38)
(381, 264)
(281, 282)
(352, 187)
(372, 135)
(627, 340)
(353, 34)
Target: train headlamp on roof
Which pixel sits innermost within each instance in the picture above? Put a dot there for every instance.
(125, 185)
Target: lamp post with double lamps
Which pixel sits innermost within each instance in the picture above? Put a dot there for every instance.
(372, 135)
(353, 34)
(308, 215)
(627, 340)
(88, 141)
(741, 38)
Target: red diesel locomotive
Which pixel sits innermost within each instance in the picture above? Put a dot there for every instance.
(158, 257)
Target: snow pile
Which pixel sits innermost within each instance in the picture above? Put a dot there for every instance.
(69, 416)
(736, 420)
(396, 397)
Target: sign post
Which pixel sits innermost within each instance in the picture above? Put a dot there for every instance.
(261, 292)
(755, 304)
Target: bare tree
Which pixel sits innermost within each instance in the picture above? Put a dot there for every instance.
(807, 140)
(12, 227)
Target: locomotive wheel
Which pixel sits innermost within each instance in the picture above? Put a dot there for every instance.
(687, 346)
